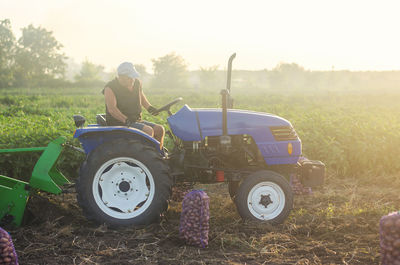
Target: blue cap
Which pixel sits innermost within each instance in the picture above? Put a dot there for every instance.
(127, 68)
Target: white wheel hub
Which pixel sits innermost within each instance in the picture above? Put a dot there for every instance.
(266, 200)
(123, 188)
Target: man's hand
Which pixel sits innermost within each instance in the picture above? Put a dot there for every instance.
(152, 110)
(129, 123)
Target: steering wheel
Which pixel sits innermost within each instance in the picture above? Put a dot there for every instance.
(167, 107)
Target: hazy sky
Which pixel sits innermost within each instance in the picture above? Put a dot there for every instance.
(317, 34)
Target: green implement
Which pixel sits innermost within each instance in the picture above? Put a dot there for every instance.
(14, 194)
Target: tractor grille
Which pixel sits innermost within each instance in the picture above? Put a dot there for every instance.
(283, 133)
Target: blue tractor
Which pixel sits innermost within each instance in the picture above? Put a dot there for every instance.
(127, 176)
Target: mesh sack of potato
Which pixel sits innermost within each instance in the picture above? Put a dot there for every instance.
(8, 255)
(297, 187)
(389, 232)
(195, 216)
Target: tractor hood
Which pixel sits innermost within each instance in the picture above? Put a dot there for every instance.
(195, 124)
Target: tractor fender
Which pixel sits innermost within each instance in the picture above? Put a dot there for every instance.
(92, 137)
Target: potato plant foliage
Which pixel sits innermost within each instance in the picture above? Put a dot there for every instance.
(352, 132)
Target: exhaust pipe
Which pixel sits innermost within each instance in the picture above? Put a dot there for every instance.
(228, 80)
(225, 140)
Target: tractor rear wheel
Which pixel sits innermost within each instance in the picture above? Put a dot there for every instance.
(233, 187)
(264, 196)
(124, 182)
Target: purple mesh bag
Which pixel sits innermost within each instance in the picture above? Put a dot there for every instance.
(7, 251)
(195, 216)
(389, 232)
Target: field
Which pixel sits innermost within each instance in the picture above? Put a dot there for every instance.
(356, 133)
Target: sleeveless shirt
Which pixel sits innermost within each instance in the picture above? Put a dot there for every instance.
(128, 102)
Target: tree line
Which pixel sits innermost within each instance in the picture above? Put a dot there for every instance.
(33, 60)
(36, 60)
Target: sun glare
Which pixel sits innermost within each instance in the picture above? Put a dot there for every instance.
(355, 35)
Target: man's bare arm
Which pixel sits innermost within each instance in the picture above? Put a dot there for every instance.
(111, 103)
(145, 102)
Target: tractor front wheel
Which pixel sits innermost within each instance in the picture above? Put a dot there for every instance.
(264, 196)
(124, 182)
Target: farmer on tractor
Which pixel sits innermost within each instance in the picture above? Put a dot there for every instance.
(124, 99)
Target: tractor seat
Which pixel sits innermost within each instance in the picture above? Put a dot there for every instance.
(101, 119)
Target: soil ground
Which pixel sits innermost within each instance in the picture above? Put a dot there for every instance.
(337, 224)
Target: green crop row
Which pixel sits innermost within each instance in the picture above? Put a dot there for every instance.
(355, 134)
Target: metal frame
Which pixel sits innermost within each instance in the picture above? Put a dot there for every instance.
(14, 193)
